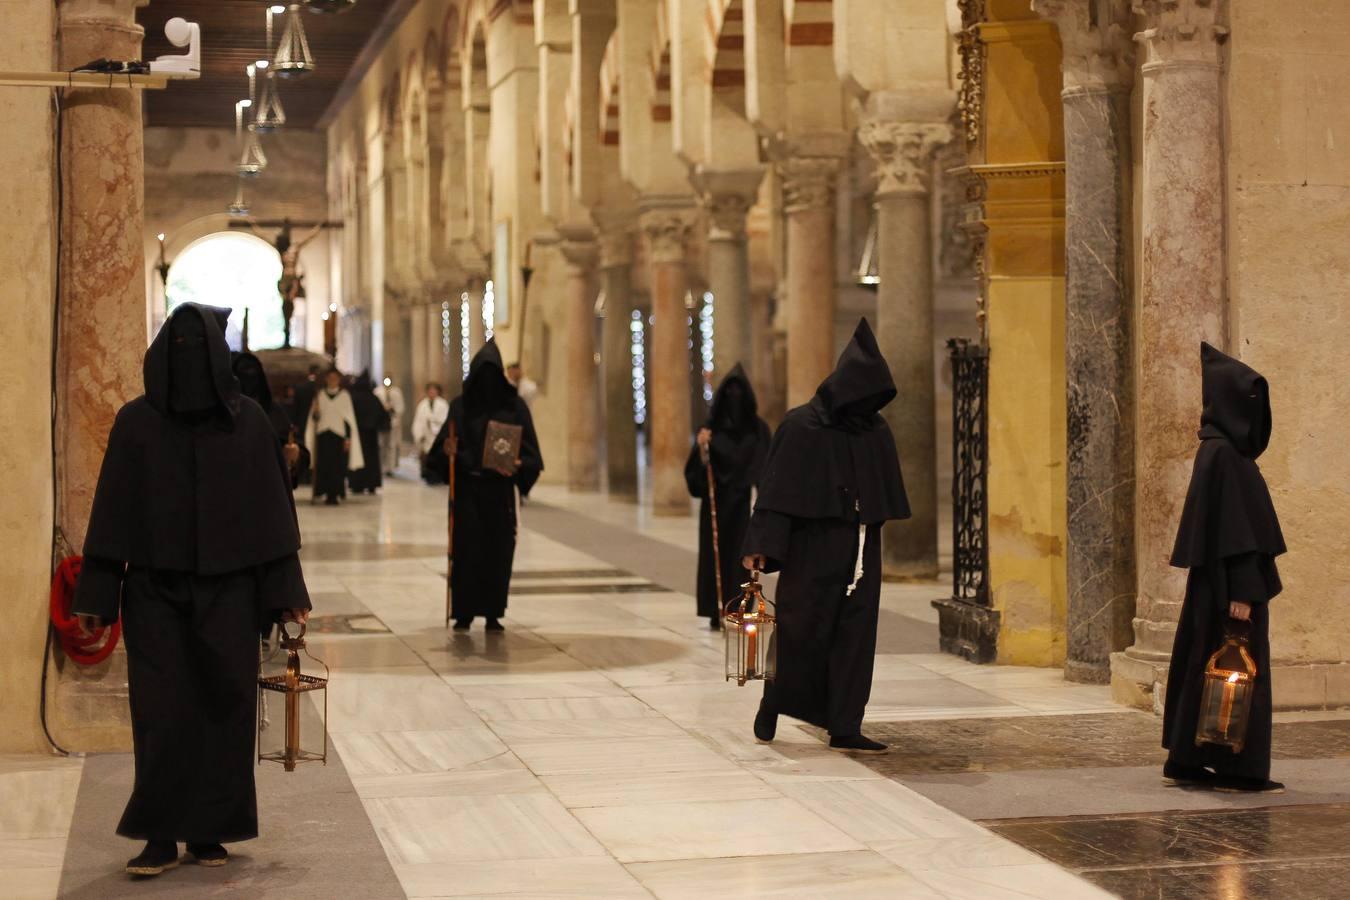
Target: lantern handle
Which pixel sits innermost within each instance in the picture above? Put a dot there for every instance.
(286, 635)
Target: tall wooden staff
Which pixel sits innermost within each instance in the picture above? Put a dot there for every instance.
(712, 509)
(453, 441)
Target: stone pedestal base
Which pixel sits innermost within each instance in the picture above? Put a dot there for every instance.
(1142, 683)
(87, 706)
(967, 630)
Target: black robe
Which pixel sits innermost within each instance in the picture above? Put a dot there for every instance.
(254, 385)
(371, 419)
(192, 541)
(740, 442)
(832, 470)
(1228, 538)
(485, 500)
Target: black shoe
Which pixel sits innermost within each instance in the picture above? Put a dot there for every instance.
(856, 743)
(715, 623)
(1177, 775)
(494, 625)
(210, 855)
(331, 501)
(766, 725)
(463, 624)
(1234, 785)
(154, 859)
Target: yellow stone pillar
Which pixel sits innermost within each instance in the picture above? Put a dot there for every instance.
(1016, 177)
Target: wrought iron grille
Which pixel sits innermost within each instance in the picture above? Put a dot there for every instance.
(970, 453)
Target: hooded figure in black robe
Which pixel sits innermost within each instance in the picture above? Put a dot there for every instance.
(253, 384)
(371, 419)
(1228, 539)
(738, 445)
(832, 478)
(192, 541)
(485, 499)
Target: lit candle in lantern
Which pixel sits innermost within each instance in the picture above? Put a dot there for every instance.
(751, 649)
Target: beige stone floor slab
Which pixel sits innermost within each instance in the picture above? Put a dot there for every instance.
(410, 752)
(587, 708)
(845, 875)
(652, 754)
(523, 879)
(631, 787)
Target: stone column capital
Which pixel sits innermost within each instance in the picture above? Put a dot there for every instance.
(903, 152)
(809, 181)
(727, 196)
(616, 247)
(580, 253)
(1186, 32)
(1097, 38)
(667, 231)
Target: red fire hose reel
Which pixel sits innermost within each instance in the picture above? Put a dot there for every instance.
(85, 649)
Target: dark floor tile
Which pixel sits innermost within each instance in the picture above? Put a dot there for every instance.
(1312, 880)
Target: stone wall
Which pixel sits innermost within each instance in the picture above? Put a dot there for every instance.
(28, 261)
(1289, 226)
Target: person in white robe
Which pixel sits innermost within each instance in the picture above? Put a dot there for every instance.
(332, 439)
(391, 441)
(431, 413)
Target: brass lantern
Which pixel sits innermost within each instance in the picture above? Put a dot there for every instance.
(748, 626)
(1226, 704)
(293, 685)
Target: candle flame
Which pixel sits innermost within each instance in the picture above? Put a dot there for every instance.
(750, 629)
(1235, 678)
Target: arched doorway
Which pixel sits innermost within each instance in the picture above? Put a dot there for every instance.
(237, 271)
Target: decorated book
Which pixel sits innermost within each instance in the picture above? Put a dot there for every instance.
(501, 447)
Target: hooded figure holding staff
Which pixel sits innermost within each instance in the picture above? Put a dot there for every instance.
(832, 478)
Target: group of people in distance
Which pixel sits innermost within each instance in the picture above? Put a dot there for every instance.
(193, 543)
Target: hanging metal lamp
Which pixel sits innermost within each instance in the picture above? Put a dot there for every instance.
(252, 160)
(268, 115)
(239, 208)
(292, 59)
(868, 275)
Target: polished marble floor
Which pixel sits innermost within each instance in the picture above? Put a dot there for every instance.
(594, 749)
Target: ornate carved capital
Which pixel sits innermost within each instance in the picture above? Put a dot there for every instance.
(726, 215)
(667, 233)
(903, 152)
(1181, 31)
(580, 254)
(616, 248)
(809, 182)
(1097, 40)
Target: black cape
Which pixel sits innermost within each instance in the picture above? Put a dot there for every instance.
(739, 446)
(1229, 537)
(192, 541)
(208, 498)
(484, 502)
(832, 469)
(371, 419)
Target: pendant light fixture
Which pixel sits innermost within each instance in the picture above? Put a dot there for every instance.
(268, 114)
(239, 209)
(867, 274)
(252, 160)
(292, 59)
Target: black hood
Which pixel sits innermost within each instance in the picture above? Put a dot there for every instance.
(252, 378)
(1237, 402)
(734, 407)
(860, 385)
(159, 362)
(487, 389)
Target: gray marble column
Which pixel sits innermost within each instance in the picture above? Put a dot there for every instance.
(616, 279)
(904, 326)
(579, 250)
(727, 197)
(1098, 69)
(808, 201)
(1182, 302)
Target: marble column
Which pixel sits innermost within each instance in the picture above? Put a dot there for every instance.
(904, 326)
(437, 364)
(1181, 297)
(477, 327)
(727, 198)
(417, 325)
(668, 360)
(1099, 563)
(102, 326)
(616, 274)
(583, 427)
(808, 200)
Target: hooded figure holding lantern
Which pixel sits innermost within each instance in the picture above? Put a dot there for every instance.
(193, 543)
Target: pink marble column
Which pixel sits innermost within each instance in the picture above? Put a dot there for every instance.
(1181, 303)
(668, 361)
(583, 422)
(102, 328)
(616, 263)
(808, 200)
(727, 198)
